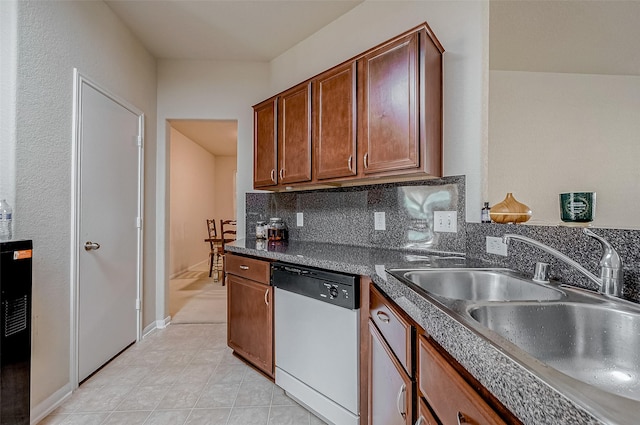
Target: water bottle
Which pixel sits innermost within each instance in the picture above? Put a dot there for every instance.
(5, 221)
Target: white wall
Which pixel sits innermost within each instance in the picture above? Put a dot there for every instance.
(193, 200)
(225, 187)
(554, 133)
(53, 38)
(462, 28)
(8, 52)
(204, 90)
(223, 90)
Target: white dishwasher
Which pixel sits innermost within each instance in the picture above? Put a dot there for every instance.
(317, 340)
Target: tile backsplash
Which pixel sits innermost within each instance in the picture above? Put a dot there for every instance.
(568, 240)
(346, 215)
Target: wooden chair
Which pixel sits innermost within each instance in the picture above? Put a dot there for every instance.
(227, 234)
(214, 243)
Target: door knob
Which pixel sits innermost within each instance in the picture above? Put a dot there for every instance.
(88, 246)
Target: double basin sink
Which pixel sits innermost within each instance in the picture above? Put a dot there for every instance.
(585, 344)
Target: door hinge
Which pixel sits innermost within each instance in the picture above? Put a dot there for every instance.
(138, 306)
(139, 222)
(140, 140)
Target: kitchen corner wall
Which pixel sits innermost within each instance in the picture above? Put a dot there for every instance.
(568, 240)
(346, 215)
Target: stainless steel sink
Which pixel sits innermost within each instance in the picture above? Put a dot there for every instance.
(595, 344)
(477, 285)
(584, 345)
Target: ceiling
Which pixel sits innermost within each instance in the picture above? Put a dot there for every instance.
(219, 137)
(230, 30)
(575, 36)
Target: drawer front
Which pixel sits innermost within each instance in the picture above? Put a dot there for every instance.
(249, 268)
(451, 397)
(425, 417)
(395, 329)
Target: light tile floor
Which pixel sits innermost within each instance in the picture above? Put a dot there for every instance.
(184, 374)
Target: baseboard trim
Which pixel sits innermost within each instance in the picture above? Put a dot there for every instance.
(148, 330)
(188, 269)
(161, 324)
(51, 403)
(154, 326)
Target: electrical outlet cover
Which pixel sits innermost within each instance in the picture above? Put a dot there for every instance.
(299, 219)
(379, 222)
(496, 246)
(445, 221)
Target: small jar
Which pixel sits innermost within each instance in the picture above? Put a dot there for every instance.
(261, 230)
(277, 230)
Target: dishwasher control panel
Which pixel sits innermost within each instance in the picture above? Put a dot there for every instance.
(339, 289)
(335, 291)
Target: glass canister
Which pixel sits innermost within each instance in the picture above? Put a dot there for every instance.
(277, 230)
(261, 230)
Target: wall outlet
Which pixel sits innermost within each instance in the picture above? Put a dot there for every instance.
(379, 222)
(445, 221)
(299, 219)
(496, 246)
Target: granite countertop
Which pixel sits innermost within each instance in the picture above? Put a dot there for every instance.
(528, 396)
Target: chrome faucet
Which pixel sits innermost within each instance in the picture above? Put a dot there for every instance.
(611, 274)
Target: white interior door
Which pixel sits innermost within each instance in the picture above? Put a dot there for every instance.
(109, 182)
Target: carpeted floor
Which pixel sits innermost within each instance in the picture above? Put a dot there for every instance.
(194, 297)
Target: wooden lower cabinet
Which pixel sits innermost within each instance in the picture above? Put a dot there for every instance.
(451, 397)
(250, 321)
(390, 388)
(425, 417)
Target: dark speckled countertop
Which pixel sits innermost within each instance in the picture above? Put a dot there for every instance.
(529, 397)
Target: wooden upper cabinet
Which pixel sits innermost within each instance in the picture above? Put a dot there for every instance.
(376, 115)
(294, 134)
(399, 84)
(334, 122)
(390, 130)
(265, 159)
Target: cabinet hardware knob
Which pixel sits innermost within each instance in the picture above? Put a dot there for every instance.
(384, 317)
(273, 175)
(366, 160)
(400, 401)
(282, 174)
(350, 161)
(243, 267)
(266, 297)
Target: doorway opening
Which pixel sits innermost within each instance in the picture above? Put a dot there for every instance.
(202, 186)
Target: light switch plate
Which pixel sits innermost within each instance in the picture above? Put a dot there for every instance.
(496, 246)
(445, 221)
(379, 222)
(299, 219)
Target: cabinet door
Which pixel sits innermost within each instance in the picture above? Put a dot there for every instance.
(425, 417)
(390, 389)
(250, 321)
(389, 108)
(334, 122)
(294, 134)
(451, 397)
(265, 160)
